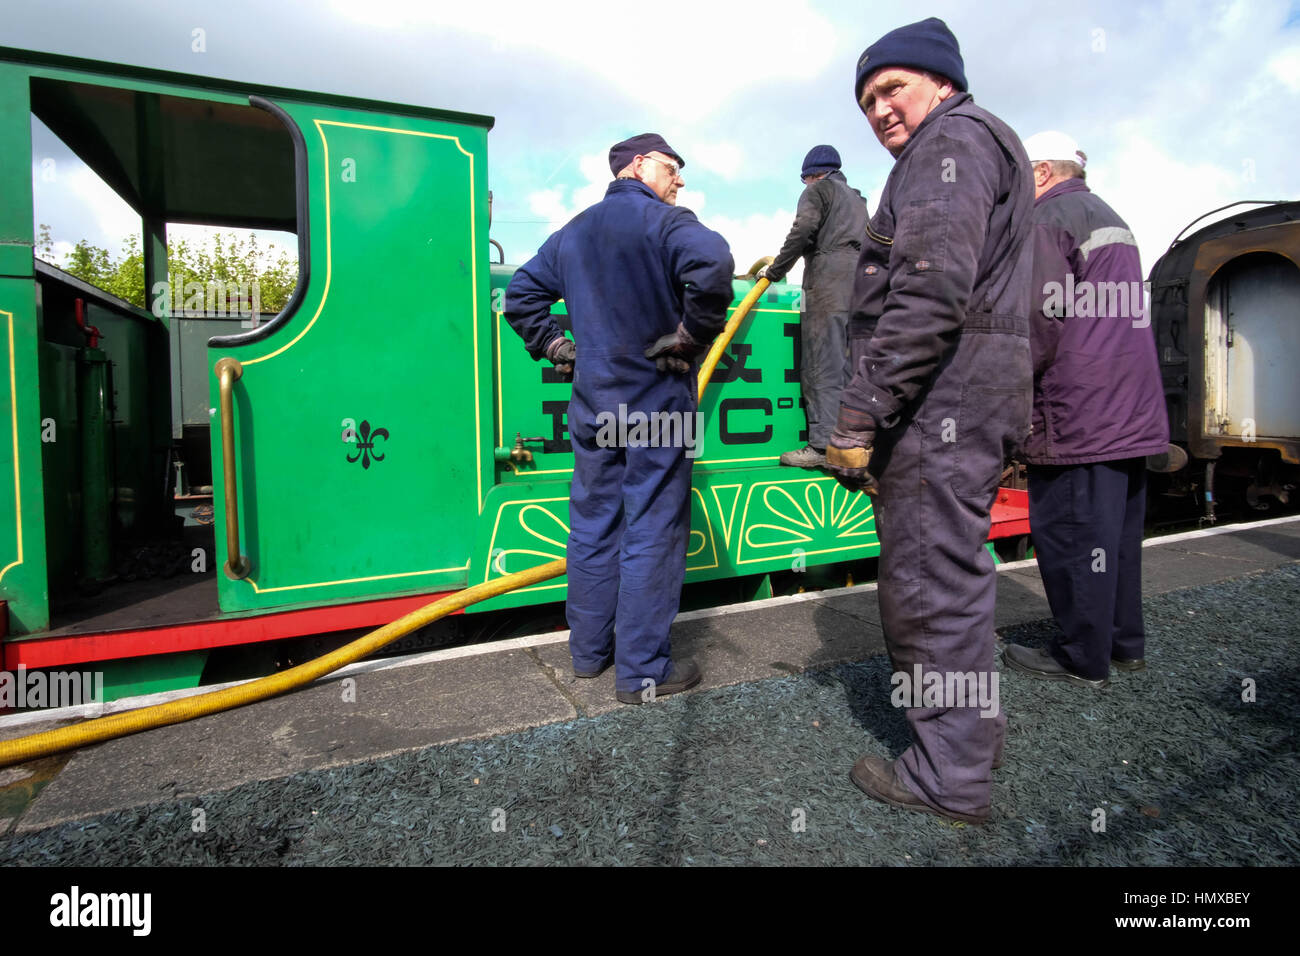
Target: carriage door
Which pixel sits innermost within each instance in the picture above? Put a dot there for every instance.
(1263, 337)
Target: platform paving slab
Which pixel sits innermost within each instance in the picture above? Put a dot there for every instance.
(402, 709)
(1263, 548)
(745, 644)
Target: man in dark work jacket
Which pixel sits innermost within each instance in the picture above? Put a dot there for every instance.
(939, 336)
(827, 232)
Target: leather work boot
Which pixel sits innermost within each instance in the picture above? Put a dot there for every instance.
(588, 675)
(1036, 662)
(805, 457)
(1129, 663)
(876, 777)
(683, 675)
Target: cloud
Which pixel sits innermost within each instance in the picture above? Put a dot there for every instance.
(549, 203)
(687, 66)
(78, 205)
(558, 204)
(721, 159)
(1285, 68)
(692, 199)
(1179, 116)
(754, 236)
(1124, 187)
(60, 253)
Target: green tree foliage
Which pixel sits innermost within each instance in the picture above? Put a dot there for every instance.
(231, 260)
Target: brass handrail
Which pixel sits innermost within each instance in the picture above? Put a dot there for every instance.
(228, 370)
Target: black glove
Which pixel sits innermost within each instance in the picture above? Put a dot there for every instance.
(562, 353)
(849, 453)
(676, 351)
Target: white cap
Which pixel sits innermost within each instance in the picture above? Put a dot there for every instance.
(1055, 146)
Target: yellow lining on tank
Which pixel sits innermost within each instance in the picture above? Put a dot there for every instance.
(13, 407)
(251, 579)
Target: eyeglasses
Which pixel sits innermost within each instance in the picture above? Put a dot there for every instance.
(673, 169)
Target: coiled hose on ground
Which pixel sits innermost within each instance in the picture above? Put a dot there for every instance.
(33, 746)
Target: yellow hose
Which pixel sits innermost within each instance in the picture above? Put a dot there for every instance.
(31, 747)
(728, 331)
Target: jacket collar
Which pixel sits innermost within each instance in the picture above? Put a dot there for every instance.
(631, 185)
(952, 102)
(1060, 189)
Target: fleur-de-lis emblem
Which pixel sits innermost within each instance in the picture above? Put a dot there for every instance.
(366, 445)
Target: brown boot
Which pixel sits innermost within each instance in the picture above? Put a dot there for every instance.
(877, 778)
(682, 676)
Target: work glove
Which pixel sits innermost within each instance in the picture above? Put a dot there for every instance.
(676, 351)
(562, 353)
(849, 453)
(763, 274)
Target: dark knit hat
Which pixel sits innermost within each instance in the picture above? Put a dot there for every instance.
(820, 159)
(620, 154)
(927, 45)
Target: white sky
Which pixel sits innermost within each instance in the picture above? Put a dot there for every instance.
(1181, 106)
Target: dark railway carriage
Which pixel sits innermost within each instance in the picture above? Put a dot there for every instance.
(384, 439)
(1226, 306)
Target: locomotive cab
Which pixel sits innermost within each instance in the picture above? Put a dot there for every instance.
(114, 436)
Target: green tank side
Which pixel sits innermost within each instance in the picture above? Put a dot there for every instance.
(749, 515)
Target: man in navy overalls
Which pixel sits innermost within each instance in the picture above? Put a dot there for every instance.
(647, 289)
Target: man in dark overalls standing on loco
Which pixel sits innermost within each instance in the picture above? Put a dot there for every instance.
(827, 232)
(939, 336)
(647, 289)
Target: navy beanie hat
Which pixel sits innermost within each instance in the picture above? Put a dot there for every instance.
(820, 159)
(620, 154)
(927, 45)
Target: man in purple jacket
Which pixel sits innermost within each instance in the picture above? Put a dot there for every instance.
(1098, 412)
(939, 334)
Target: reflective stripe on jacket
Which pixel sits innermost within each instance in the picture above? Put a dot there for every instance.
(1097, 389)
